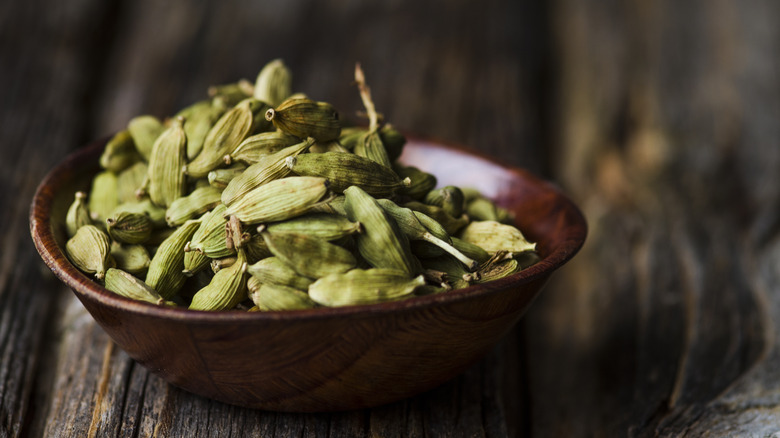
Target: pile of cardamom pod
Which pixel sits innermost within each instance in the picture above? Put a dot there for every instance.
(259, 199)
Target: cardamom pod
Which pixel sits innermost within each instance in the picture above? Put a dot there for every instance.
(363, 286)
(345, 170)
(145, 206)
(382, 244)
(309, 256)
(220, 178)
(420, 182)
(196, 203)
(130, 180)
(128, 286)
(89, 250)
(449, 198)
(78, 214)
(225, 290)
(130, 258)
(223, 138)
(482, 209)
(145, 130)
(272, 168)
(258, 147)
(103, 197)
(370, 146)
(167, 180)
(455, 274)
(472, 251)
(325, 226)
(450, 224)
(132, 228)
(393, 141)
(274, 83)
(303, 117)
(494, 236)
(279, 199)
(119, 152)
(200, 116)
(210, 239)
(327, 146)
(271, 297)
(275, 271)
(233, 93)
(165, 272)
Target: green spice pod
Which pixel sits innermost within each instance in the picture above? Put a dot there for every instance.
(220, 178)
(129, 228)
(256, 249)
(363, 286)
(226, 289)
(145, 130)
(130, 258)
(89, 250)
(103, 197)
(233, 93)
(145, 206)
(449, 198)
(304, 118)
(420, 183)
(279, 200)
(381, 243)
(223, 138)
(349, 136)
(275, 271)
(497, 270)
(193, 205)
(211, 238)
(345, 170)
(455, 273)
(258, 147)
(325, 226)
(201, 117)
(167, 181)
(130, 180)
(119, 152)
(78, 214)
(393, 141)
(327, 146)
(450, 224)
(370, 146)
(274, 83)
(309, 256)
(166, 268)
(270, 297)
(126, 285)
(493, 236)
(410, 225)
(334, 205)
(483, 209)
(272, 168)
(472, 251)
(194, 261)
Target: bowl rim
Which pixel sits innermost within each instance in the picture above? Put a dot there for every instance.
(54, 257)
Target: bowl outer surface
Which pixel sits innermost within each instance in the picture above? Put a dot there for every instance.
(329, 358)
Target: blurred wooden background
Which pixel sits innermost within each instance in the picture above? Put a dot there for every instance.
(661, 119)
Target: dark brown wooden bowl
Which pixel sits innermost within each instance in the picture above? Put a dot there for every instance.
(325, 359)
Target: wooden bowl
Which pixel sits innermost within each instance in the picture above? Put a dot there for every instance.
(325, 359)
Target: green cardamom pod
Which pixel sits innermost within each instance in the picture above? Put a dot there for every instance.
(103, 197)
(345, 170)
(145, 206)
(225, 290)
(165, 272)
(128, 286)
(363, 286)
(420, 182)
(260, 146)
(309, 256)
(233, 93)
(210, 238)
(78, 214)
(223, 138)
(130, 180)
(334, 205)
(271, 297)
(410, 225)
(455, 273)
(119, 152)
(89, 250)
(220, 178)
(327, 146)
(381, 244)
(273, 270)
(482, 209)
(325, 226)
(193, 205)
(304, 118)
(200, 116)
(349, 136)
(129, 228)
(472, 251)
(393, 141)
(370, 146)
(145, 130)
(279, 200)
(450, 224)
(167, 180)
(274, 83)
(272, 168)
(494, 236)
(500, 269)
(449, 198)
(130, 258)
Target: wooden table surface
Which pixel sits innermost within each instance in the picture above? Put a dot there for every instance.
(661, 119)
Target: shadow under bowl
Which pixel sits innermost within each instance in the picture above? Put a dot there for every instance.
(325, 359)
